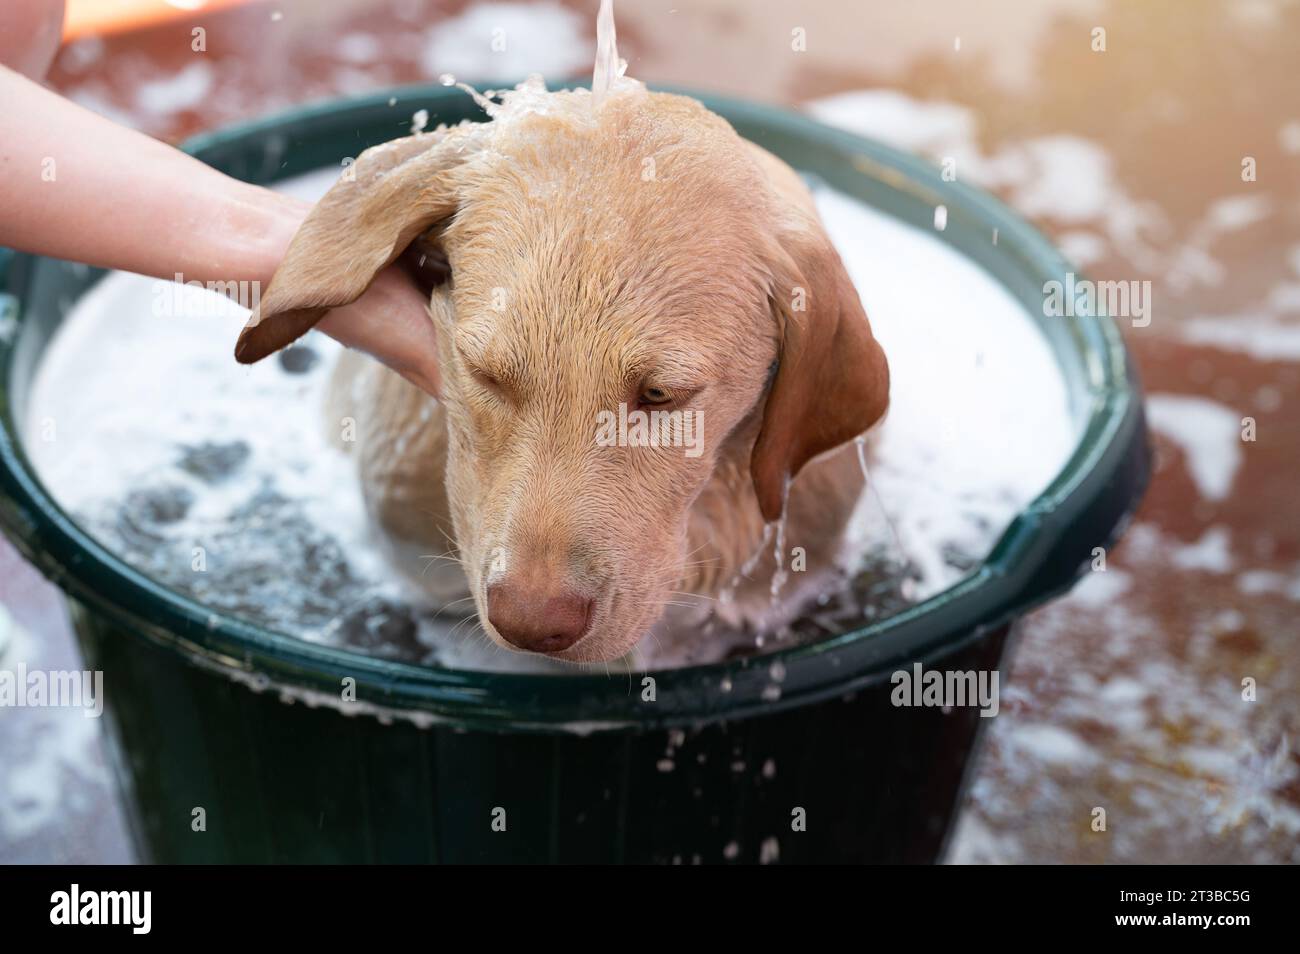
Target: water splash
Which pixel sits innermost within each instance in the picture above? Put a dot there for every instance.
(870, 487)
(752, 562)
(531, 97)
(609, 68)
(779, 575)
(484, 100)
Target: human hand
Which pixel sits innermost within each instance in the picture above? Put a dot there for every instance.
(391, 323)
(82, 188)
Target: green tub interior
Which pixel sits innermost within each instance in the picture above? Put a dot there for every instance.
(1039, 555)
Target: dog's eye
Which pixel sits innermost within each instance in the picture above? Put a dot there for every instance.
(652, 396)
(491, 382)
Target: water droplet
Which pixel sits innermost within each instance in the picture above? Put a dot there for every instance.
(779, 575)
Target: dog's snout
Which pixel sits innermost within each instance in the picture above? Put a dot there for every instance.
(538, 620)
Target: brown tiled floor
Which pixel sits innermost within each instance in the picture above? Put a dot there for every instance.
(1126, 695)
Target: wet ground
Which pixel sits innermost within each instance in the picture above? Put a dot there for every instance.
(1171, 156)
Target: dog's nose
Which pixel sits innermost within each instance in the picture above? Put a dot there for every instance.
(537, 621)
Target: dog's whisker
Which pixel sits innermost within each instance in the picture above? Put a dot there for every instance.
(695, 551)
(447, 606)
(694, 563)
(698, 596)
(449, 555)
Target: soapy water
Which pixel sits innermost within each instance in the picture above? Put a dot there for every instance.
(219, 481)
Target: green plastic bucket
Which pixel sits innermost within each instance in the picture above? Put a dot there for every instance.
(209, 711)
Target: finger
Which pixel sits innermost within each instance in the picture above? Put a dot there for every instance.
(391, 323)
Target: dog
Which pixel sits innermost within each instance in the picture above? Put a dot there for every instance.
(631, 255)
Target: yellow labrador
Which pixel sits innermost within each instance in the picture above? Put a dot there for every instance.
(606, 265)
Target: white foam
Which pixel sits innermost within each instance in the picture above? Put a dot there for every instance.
(1259, 336)
(56, 754)
(360, 48)
(1052, 744)
(503, 41)
(1208, 434)
(184, 90)
(1212, 553)
(1101, 588)
(935, 128)
(1065, 178)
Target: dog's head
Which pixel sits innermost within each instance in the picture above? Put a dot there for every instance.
(636, 298)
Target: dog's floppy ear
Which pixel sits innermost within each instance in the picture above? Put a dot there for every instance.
(832, 380)
(391, 194)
